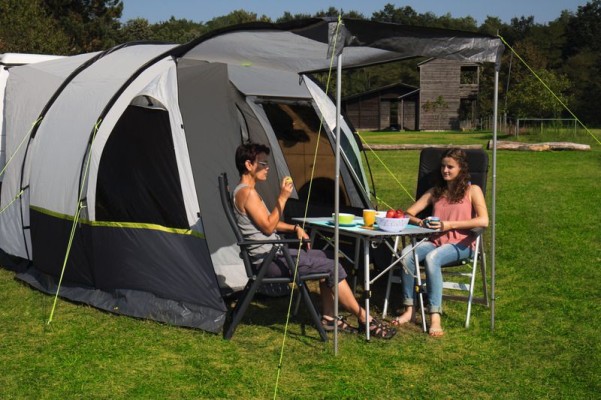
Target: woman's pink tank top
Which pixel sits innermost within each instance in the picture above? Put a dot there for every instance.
(453, 212)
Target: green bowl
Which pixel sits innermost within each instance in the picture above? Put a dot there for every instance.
(344, 218)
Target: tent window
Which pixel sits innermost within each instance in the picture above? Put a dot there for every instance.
(138, 180)
(296, 127)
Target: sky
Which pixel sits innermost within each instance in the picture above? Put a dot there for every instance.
(205, 10)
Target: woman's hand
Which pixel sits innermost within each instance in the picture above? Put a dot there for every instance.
(436, 225)
(286, 188)
(302, 235)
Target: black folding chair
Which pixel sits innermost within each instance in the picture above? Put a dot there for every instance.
(429, 168)
(256, 273)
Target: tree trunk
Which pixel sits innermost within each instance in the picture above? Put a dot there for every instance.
(417, 146)
(546, 146)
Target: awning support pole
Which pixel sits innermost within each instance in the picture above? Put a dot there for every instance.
(494, 198)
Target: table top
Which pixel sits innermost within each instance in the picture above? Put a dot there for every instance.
(358, 229)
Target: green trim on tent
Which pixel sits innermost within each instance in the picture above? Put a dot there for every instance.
(123, 225)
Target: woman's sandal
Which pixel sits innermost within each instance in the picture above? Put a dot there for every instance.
(378, 329)
(343, 326)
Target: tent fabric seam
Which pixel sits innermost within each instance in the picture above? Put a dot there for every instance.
(121, 225)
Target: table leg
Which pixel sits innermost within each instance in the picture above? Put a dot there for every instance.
(390, 277)
(366, 288)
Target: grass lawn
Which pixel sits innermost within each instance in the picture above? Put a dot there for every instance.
(545, 343)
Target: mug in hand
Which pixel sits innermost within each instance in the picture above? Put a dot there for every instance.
(431, 220)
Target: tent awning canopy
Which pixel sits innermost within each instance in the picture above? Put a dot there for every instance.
(306, 45)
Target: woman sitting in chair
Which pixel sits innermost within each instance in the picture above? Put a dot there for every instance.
(460, 207)
(258, 223)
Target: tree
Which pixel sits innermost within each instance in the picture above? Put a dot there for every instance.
(135, 29)
(334, 12)
(530, 98)
(467, 24)
(24, 27)
(492, 26)
(520, 28)
(292, 17)
(584, 71)
(582, 60)
(233, 18)
(405, 15)
(584, 29)
(551, 39)
(177, 30)
(92, 25)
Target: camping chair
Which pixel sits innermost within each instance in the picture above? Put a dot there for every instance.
(429, 165)
(256, 273)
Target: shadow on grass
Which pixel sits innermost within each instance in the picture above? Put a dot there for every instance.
(271, 312)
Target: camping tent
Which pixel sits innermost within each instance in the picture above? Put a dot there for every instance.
(151, 241)
(7, 61)
(128, 143)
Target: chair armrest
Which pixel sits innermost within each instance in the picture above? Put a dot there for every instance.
(477, 231)
(272, 241)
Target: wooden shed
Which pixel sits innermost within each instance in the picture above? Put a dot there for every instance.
(448, 95)
(392, 107)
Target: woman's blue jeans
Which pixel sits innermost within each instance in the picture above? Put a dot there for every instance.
(432, 258)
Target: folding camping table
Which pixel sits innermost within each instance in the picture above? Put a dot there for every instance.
(323, 227)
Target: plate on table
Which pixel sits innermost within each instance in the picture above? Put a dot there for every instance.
(344, 225)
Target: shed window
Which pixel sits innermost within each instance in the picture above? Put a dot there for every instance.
(469, 75)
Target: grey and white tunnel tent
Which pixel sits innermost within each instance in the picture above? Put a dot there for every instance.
(135, 138)
(8, 61)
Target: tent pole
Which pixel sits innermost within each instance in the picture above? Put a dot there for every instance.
(494, 198)
(337, 197)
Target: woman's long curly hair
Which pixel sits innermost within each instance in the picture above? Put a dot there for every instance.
(462, 181)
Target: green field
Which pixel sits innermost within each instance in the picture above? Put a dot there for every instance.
(545, 344)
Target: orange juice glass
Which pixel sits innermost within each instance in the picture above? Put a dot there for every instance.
(369, 217)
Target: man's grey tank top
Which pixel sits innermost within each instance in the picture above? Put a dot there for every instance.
(252, 232)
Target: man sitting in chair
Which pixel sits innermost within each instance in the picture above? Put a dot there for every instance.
(257, 223)
(459, 207)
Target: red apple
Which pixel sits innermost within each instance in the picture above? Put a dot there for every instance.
(400, 213)
(391, 213)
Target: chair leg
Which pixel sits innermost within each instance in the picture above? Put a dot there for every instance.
(297, 304)
(304, 292)
(240, 308)
(302, 287)
(483, 272)
(247, 295)
(470, 296)
(479, 253)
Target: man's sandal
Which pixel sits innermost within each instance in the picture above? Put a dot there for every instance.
(343, 326)
(378, 329)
